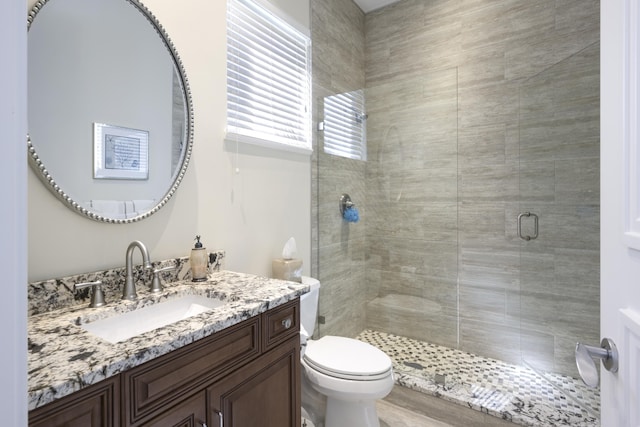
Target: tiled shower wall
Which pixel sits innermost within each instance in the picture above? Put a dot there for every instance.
(463, 136)
(559, 180)
(459, 137)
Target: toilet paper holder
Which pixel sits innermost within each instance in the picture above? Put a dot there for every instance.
(587, 355)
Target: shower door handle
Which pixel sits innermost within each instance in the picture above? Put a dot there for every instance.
(535, 226)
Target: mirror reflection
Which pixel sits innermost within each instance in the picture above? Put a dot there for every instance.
(109, 117)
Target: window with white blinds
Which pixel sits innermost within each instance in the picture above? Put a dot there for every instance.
(268, 79)
(345, 128)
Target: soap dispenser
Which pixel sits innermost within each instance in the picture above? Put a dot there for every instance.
(199, 262)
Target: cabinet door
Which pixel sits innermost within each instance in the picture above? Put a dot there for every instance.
(190, 413)
(95, 406)
(264, 393)
(153, 386)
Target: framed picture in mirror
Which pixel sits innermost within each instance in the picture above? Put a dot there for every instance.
(120, 153)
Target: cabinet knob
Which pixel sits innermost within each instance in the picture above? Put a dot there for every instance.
(287, 323)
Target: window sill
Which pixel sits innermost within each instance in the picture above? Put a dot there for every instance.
(243, 139)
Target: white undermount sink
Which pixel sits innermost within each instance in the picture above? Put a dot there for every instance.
(127, 325)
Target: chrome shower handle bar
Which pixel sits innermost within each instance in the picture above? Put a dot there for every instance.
(535, 226)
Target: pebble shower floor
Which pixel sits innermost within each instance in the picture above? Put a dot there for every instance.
(507, 391)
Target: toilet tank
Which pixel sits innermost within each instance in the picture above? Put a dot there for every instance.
(309, 305)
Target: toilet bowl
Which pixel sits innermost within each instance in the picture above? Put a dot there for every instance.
(350, 374)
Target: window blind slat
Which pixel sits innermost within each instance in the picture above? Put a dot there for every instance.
(251, 78)
(251, 37)
(276, 110)
(270, 53)
(250, 115)
(345, 125)
(252, 14)
(260, 103)
(268, 77)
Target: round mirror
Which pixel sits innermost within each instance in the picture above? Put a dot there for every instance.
(109, 108)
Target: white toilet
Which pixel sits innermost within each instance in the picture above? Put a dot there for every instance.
(351, 374)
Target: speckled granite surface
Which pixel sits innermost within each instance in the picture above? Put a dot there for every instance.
(54, 294)
(64, 358)
(514, 393)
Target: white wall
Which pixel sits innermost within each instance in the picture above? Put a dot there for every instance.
(13, 225)
(249, 214)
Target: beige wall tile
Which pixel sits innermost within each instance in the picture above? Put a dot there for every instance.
(477, 111)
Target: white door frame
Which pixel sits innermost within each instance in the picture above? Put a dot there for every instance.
(619, 198)
(13, 213)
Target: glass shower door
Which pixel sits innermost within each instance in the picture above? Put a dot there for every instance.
(411, 206)
(559, 211)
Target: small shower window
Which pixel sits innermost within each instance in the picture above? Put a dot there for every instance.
(345, 128)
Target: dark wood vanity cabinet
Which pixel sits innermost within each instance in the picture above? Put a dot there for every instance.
(95, 406)
(189, 413)
(154, 386)
(248, 374)
(262, 394)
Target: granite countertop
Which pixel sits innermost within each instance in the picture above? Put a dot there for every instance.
(63, 357)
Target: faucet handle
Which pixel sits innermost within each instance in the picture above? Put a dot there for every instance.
(97, 297)
(156, 286)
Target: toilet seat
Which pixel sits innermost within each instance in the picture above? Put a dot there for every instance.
(347, 358)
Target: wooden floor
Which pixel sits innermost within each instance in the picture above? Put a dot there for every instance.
(392, 415)
(407, 408)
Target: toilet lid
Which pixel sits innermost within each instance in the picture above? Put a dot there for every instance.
(347, 358)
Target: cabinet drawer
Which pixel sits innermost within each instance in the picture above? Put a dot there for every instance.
(162, 381)
(281, 323)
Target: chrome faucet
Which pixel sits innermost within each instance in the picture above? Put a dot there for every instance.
(129, 290)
